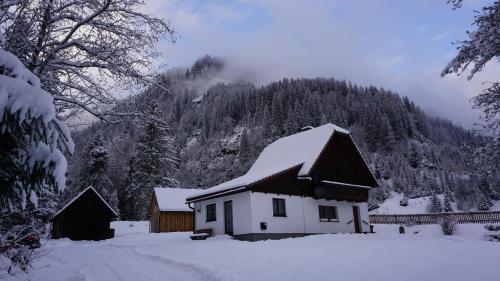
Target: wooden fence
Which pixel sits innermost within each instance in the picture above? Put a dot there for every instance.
(465, 217)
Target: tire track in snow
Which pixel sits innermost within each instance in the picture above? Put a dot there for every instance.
(126, 263)
(205, 272)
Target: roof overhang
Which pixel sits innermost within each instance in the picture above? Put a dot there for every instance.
(90, 188)
(216, 194)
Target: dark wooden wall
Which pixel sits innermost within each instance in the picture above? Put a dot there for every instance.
(341, 162)
(87, 218)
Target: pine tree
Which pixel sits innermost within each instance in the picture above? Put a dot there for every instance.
(448, 198)
(155, 160)
(482, 202)
(32, 163)
(245, 150)
(435, 204)
(450, 184)
(482, 195)
(414, 159)
(95, 170)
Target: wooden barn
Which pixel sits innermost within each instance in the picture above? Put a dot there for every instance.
(168, 211)
(85, 217)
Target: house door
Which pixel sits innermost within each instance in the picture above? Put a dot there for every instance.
(228, 217)
(357, 220)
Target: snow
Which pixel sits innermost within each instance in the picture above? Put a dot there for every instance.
(285, 153)
(173, 199)
(301, 148)
(415, 205)
(22, 96)
(386, 255)
(78, 196)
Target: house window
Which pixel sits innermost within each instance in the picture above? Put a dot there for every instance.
(279, 209)
(211, 215)
(328, 213)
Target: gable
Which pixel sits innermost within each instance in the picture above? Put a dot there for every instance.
(87, 204)
(297, 150)
(153, 205)
(327, 153)
(302, 148)
(341, 161)
(171, 199)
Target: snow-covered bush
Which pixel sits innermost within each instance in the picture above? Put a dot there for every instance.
(435, 205)
(403, 202)
(448, 225)
(494, 237)
(492, 227)
(32, 164)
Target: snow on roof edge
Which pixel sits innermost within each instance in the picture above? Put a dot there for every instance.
(364, 160)
(165, 205)
(78, 196)
(256, 173)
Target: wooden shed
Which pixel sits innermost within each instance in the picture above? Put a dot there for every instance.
(85, 217)
(168, 211)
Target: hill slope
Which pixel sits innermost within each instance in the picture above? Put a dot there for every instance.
(220, 132)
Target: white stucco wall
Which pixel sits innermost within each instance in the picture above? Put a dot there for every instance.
(250, 209)
(262, 207)
(303, 215)
(241, 214)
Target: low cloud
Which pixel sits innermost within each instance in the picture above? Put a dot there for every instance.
(269, 40)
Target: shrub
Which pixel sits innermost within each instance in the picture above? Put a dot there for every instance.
(448, 225)
(494, 237)
(492, 227)
(403, 202)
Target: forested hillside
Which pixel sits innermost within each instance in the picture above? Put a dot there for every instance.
(216, 134)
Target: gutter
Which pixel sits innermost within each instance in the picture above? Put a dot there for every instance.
(194, 216)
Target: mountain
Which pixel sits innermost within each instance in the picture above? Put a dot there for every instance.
(221, 125)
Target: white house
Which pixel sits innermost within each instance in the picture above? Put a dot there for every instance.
(312, 182)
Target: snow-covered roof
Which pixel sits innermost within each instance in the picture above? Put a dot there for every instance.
(173, 199)
(79, 195)
(285, 153)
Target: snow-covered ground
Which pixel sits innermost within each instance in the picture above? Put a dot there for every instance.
(386, 255)
(415, 205)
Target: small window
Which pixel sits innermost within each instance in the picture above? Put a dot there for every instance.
(279, 209)
(328, 213)
(211, 214)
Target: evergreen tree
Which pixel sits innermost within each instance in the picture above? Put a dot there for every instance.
(482, 202)
(482, 195)
(435, 204)
(32, 164)
(154, 163)
(245, 150)
(448, 198)
(414, 158)
(95, 168)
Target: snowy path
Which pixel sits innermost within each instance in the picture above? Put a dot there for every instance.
(136, 255)
(88, 261)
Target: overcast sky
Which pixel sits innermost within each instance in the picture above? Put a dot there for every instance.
(400, 45)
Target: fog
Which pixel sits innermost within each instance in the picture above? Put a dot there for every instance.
(365, 43)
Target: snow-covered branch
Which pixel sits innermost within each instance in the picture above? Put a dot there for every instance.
(81, 50)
